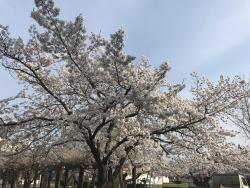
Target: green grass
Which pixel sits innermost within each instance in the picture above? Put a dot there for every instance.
(153, 186)
(175, 185)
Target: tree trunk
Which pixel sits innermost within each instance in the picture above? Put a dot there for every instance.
(122, 180)
(118, 168)
(27, 180)
(13, 181)
(35, 178)
(66, 174)
(202, 181)
(57, 180)
(44, 180)
(27, 183)
(134, 177)
(101, 176)
(41, 180)
(111, 179)
(49, 178)
(80, 177)
(4, 180)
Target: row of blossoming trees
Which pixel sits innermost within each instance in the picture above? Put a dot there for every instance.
(87, 105)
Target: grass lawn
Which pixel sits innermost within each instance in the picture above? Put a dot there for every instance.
(175, 185)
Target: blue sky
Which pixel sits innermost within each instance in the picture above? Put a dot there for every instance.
(209, 37)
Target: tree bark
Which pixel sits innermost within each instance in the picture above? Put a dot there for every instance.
(35, 178)
(27, 180)
(134, 177)
(111, 179)
(80, 177)
(49, 178)
(57, 180)
(101, 176)
(4, 180)
(66, 174)
(41, 180)
(13, 181)
(122, 179)
(44, 180)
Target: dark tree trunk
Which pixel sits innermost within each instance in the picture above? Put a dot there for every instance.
(13, 180)
(101, 176)
(27, 180)
(4, 180)
(134, 177)
(121, 181)
(41, 180)
(66, 174)
(111, 179)
(118, 168)
(44, 180)
(57, 180)
(35, 178)
(80, 177)
(49, 178)
(26, 183)
(200, 180)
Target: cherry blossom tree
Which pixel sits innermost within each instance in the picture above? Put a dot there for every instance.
(241, 114)
(81, 88)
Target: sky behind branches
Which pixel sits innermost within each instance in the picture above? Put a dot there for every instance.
(208, 37)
